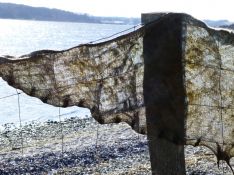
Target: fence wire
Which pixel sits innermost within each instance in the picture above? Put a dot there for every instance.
(44, 139)
(35, 138)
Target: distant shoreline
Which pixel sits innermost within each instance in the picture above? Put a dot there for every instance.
(19, 19)
(24, 12)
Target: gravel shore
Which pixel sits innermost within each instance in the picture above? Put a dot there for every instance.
(82, 147)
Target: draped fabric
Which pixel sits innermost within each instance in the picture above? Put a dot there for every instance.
(108, 78)
(209, 82)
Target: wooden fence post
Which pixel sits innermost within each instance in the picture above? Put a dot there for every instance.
(164, 92)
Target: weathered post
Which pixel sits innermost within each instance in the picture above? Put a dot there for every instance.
(164, 93)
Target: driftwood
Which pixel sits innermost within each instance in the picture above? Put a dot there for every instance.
(174, 75)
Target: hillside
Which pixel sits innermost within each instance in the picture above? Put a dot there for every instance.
(216, 23)
(228, 26)
(17, 11)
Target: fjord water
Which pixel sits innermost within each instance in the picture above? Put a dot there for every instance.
(19, 37)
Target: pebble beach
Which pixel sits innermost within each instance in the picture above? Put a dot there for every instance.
(82, 147)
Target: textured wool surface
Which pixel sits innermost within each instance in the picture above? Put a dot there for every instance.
(108, 79)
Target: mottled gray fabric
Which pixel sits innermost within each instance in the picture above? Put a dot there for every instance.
(107, 78)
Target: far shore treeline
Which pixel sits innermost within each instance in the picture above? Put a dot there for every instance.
(17, 11)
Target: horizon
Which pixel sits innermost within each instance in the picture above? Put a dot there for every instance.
(203, 10)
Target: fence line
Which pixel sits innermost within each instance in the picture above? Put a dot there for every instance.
(97, 154)
(8, 96)
(19, 113)
(61, 128)
(117, 34)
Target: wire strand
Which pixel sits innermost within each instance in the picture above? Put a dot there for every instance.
(97, 149)
(19, 115)
(115, 34)
(61, 130)
(8, 96)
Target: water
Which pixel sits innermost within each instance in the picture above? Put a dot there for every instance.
(19, 37)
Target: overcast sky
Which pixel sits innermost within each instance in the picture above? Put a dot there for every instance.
(201, 9)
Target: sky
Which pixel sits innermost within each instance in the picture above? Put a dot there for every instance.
(201, 9)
